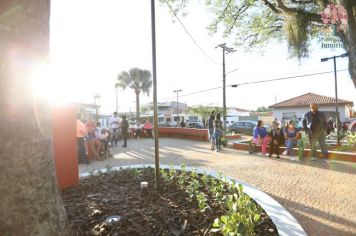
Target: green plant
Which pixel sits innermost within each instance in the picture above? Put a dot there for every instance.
(109, 168)
(190, 190)
(136, 173)
(183, 167)
(223, 141)
(172, 172)
(164, 175)
(181, 181)
(202, 202)
(204, 179)
(242, 216)
(193, 174)
(232, 186)
(351, 138)
(195, 184)
(91, 172)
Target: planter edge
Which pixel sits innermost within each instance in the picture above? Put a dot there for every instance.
(285, 223)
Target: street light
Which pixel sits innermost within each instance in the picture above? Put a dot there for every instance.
(177, 91)
(336, 99)
(225, 50)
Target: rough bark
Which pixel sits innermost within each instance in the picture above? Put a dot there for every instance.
(30, 202)
(350, 37)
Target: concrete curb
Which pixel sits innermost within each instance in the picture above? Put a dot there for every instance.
(286, 224)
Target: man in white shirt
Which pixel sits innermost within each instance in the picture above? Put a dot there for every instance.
(114, 128)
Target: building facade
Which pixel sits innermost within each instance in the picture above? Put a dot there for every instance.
(296, 107)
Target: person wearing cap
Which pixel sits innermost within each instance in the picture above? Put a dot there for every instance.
(315, 125)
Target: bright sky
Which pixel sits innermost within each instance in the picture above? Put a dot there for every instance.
(92, 41)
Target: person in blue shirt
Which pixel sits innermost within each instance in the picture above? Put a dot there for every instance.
(260, 137)
(290, 135)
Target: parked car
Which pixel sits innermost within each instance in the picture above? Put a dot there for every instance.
(243, 127)
(195, 125)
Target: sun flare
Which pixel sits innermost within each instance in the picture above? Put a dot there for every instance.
(47, 86)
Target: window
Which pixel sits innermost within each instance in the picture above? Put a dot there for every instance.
(193, 118)
(288, 115)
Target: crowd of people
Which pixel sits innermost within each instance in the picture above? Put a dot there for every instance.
(93, 141)
(314, 124)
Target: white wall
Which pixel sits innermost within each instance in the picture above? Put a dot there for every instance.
(300, 111)
(233, 112)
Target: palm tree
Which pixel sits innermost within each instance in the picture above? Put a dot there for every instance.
(137, 79)
(30, 199)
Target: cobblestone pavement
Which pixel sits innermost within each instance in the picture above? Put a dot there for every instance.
(320, 196)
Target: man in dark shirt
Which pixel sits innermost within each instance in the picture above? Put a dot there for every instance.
(124, 127)
(210, 124)
(330, 125)
(314, 124)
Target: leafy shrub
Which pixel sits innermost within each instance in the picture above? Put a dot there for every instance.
(242, 216)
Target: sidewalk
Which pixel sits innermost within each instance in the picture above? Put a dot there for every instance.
(320, 196)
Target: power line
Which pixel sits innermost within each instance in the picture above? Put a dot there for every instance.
(191, 37)
(256, 82)
(284, 78)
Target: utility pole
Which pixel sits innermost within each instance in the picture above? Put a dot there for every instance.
(226, 50)
(154, 80)
(177, 91)
(336, 97)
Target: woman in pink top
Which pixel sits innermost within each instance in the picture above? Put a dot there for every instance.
(147, 128)
(91, 128)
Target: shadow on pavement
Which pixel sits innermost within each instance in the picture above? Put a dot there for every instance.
(311, 226)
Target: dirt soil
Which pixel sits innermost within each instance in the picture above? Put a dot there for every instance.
(147, 212)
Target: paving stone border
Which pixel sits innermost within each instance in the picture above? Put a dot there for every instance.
(286, 224)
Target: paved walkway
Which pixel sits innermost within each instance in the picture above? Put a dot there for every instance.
(322, 197)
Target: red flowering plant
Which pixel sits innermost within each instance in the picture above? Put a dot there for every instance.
(335, 15)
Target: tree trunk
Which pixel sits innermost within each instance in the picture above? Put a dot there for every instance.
(30, 202)
(349, 37)
(137, 105)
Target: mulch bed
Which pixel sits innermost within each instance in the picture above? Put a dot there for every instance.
(146, 212)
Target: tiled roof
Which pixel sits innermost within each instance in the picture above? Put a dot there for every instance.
(240, 109)
(308, 98)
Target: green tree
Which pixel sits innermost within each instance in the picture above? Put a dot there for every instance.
(204, 111)
(137, 79)
(30, 202)
(254, 23)
(263, 109)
